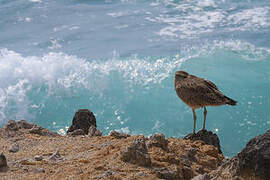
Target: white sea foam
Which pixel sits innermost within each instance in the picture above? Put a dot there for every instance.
(193, 20)
(59, 72)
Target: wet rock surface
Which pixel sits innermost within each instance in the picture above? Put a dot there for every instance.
(206, 136)
(82, 119)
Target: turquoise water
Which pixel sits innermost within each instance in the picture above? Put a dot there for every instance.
(118, 58)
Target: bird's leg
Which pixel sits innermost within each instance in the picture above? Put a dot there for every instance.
(204, 119)
(195, 118)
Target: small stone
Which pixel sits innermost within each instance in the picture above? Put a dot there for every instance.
(14, 148)
(39, 170)
(3, 161)
(118, 135)
(36, 130)
(136, 153)
(76, 132)
(202, 177)
(38, 158)
(93, 131)
(158, 140)
(164, 173)
(55, 156)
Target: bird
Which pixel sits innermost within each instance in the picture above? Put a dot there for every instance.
(197, 93)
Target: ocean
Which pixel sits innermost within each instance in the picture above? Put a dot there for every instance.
(118, 59)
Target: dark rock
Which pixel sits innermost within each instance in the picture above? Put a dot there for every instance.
(187, 173)
(38, 158)
(136, 153)
(189, 156)
(202, 177)
(164, 173)
(118, 135)
(206, 136)
(36, 130)
(158, 140)
(82, 119)
(76, 132)
(93, 131)
(256, 156)
(22, 124)
(14, 148)
(55, 156)
(3, 162)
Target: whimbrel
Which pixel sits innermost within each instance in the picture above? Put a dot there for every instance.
(198, 92)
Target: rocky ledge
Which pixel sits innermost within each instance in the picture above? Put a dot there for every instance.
(32, 152)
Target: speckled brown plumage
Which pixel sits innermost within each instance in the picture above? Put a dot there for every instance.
(198, 92)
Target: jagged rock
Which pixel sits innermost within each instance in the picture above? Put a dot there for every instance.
(189, 156)
(158, 140)
(22, 124)
(3, 162)
(136, 153)
(93, 131)
(202, 177)
(76, 132)
(55, 156)
(252, 162)
(82, 119)
(256, 156)
(206, 136)
(38, 158)
(164, 173)
(118, 135)
(187, 173)
(41, 131)
(14, 148)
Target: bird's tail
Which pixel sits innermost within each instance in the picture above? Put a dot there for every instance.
(230, 101)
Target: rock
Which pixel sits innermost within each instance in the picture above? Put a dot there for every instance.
(55, 156)
(206, 136)
(118, 135)
(256, 156)
(39, 170)
(252, 162)
(93, 131)
(76, 132)
(42, 131)
(158, 140)
(164, 173)
(3, 161)
(22, 124)
(202, 177)
(38, 158)
(82, 119)
(36, 130)
(136, 153)
(14, 148)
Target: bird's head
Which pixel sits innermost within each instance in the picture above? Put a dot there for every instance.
(180, 75)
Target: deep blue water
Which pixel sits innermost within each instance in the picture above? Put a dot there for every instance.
(118, 58)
